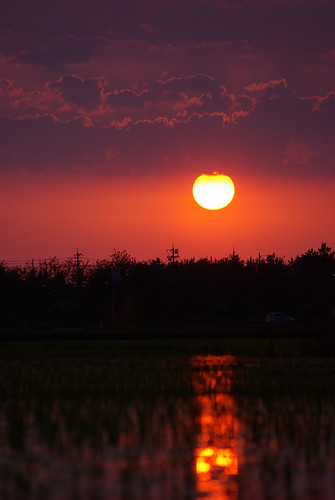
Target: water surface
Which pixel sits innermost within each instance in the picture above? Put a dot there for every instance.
(167, 427)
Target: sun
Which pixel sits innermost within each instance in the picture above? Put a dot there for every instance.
(214, 191)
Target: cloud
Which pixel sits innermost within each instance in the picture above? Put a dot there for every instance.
(271, 89)
(62, 52)
(137, 31)
(6, 85)
(267, 3)
(125, 99)
(324, 103)
(329, 55)
(138, 42)
(144, 86)
(71, 96)
(18, 103)
(175, 98)
(281, 135)
(298, 153)
(85, 93)
(219, 117)
(194, 84)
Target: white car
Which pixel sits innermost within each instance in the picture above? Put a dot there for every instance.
(279, 318)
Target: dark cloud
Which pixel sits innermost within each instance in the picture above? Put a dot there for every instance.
(194, 84)
(125, 99)
(64, 51)
(85, 93)
(329, 55)
(267, 3)
(5, 85)
(283, 135)
(63, 31)
(135, 42)
(141, 31)
(140, 86)
(173, 97)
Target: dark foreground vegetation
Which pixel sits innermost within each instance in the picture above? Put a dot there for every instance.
(122, 293)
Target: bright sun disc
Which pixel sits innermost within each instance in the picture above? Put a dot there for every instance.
(214, 191)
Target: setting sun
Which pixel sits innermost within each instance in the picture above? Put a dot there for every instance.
(214, 191)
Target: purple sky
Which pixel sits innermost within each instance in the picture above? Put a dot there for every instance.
(159, 88)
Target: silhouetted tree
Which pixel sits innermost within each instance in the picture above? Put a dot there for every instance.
(79, 292)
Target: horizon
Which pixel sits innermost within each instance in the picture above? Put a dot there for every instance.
(166, 259)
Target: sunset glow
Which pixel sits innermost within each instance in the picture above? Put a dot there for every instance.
(106, 125)
(52, 215)
(167, 197)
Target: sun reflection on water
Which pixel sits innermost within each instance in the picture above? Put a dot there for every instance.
(216, 457)
(213, 427)
(210, 458)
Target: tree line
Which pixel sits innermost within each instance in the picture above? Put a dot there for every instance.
(121, 289)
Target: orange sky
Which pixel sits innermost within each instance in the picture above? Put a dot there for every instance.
(54, 215)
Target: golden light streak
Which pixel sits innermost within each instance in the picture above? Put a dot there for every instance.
(202, 466)
(206, 452)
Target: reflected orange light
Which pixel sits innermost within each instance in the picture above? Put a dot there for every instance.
(209, 458)
(206, 452)
(228, 459)
(217, 454)
(202, 466)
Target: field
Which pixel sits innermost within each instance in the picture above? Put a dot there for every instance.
(167, 419)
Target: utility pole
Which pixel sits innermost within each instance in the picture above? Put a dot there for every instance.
(174, 254)
(78, 255)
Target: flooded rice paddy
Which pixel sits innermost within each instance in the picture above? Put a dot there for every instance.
(167, 427)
